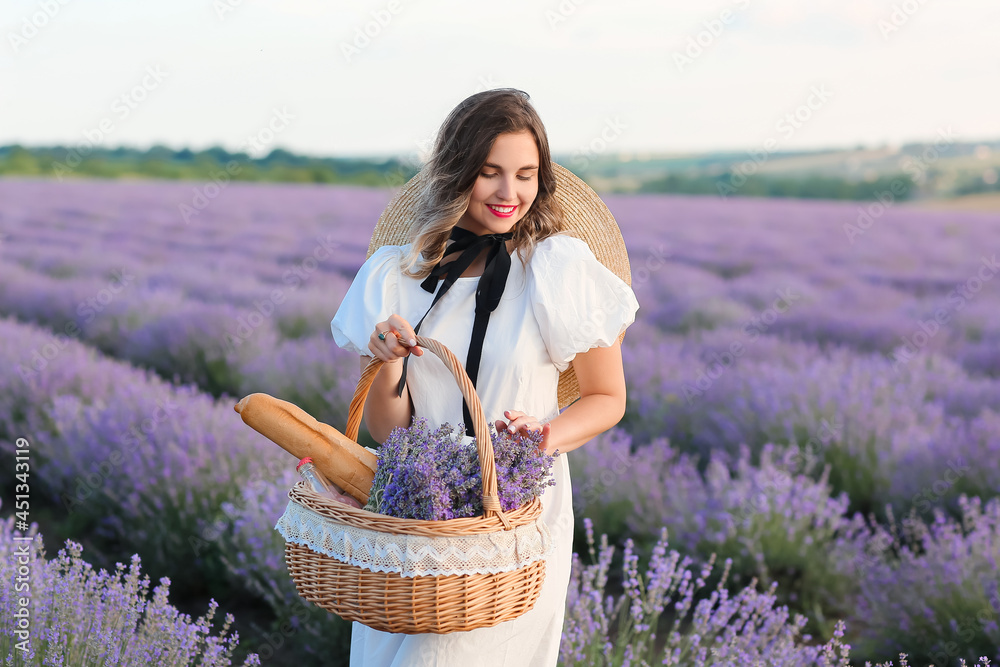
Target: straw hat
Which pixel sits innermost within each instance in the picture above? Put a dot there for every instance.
(583, 212)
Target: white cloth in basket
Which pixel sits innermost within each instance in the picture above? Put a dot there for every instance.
(564, 302)
(416, 555)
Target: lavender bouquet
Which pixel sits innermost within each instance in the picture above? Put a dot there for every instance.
(434, 475)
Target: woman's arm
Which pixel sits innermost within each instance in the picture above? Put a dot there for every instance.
(602, 400)
(383, 410)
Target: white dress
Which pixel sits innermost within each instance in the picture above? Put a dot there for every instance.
(564, 303)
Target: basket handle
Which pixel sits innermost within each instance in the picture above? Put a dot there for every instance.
(484, 442)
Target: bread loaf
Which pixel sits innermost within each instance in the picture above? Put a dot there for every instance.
(343, 461)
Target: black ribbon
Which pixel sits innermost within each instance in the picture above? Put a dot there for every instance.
(488, 293)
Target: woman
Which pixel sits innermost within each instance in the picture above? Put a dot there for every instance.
(519, 324)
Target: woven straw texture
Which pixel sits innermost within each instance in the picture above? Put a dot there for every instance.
(584, 214)
(437, 604)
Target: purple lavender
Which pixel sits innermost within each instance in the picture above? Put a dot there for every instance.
(666, 616)
(80, 616)
(890, 437)
(138, 461)
(775, 523)
(934, 587)
(716, 630)
(435, 475)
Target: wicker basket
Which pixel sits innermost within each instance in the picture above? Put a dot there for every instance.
(392, 602)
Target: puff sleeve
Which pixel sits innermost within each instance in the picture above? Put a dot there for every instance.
(371, 298)
(578, 302)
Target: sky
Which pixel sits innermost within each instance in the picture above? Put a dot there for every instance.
(378, 77)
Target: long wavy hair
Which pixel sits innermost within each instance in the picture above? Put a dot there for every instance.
(461, 149)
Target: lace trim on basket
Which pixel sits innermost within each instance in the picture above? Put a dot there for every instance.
(413, 555)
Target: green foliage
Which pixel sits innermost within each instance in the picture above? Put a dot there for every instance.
(164, 163)
(809, 187)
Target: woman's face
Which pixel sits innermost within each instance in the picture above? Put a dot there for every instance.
(505, 187)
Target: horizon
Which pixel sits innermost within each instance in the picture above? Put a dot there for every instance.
(623, 156)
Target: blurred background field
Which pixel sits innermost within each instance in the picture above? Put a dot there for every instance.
(130, 332)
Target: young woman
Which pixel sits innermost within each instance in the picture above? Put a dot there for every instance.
(489, 194)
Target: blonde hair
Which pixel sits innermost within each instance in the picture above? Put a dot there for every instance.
(462, 147)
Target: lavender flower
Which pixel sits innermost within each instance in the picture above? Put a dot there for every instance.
(775, 523)
(436, 476)
(131, 458)
(718, 630)
(932, 589)
(79, 616)
(700, 628)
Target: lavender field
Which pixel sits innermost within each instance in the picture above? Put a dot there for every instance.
(810, 458)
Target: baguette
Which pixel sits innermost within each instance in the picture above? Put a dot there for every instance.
(343, 461)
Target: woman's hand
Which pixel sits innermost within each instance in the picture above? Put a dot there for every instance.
(521, 420)
(400, 340)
